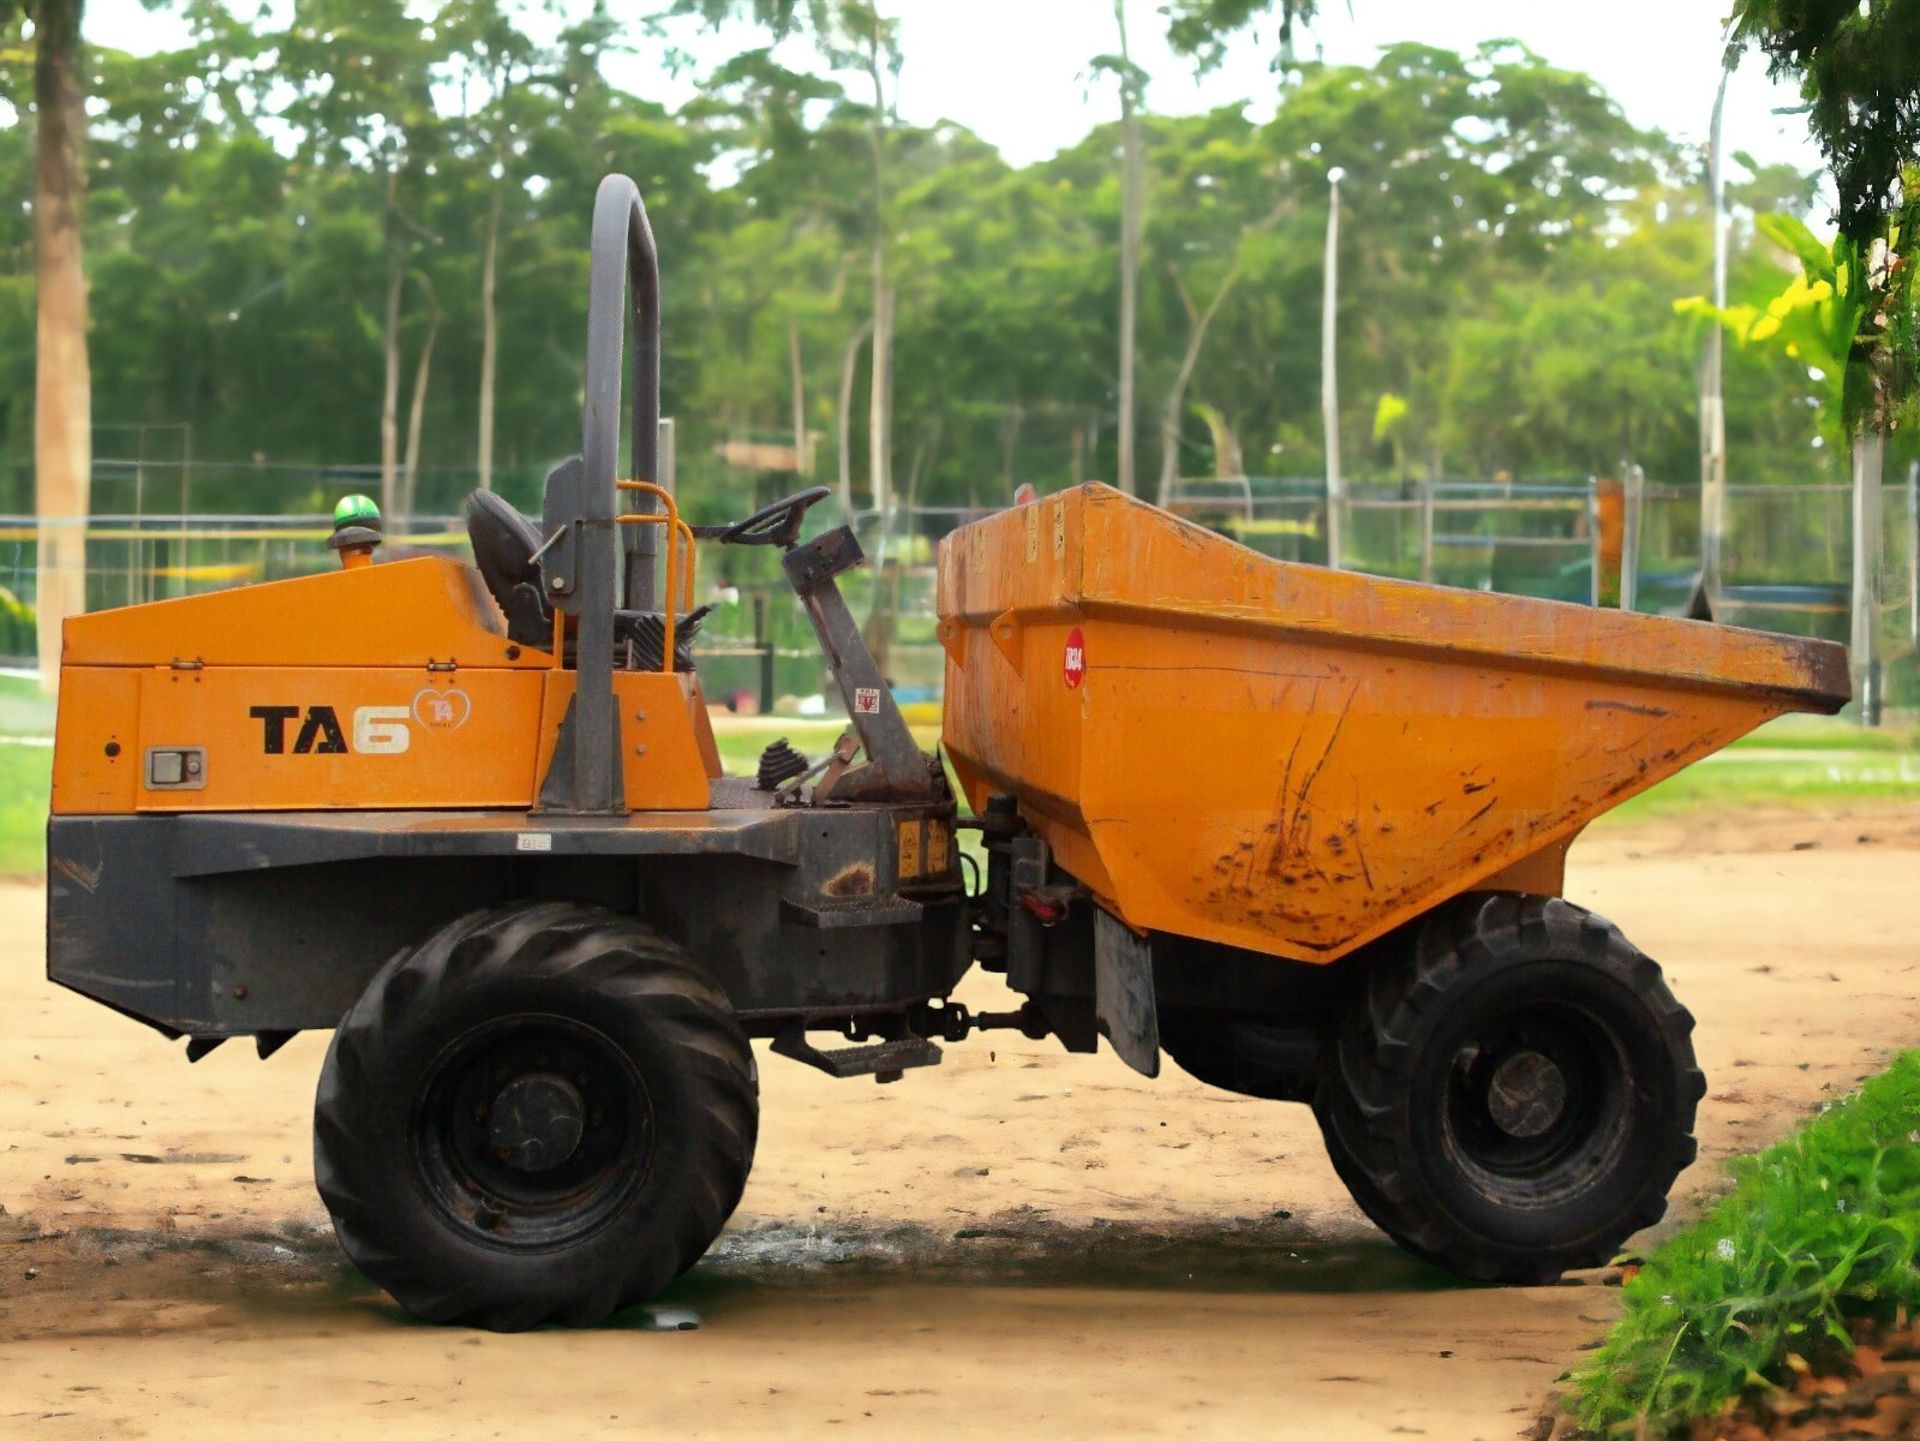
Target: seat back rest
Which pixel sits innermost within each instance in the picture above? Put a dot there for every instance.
(504, 543)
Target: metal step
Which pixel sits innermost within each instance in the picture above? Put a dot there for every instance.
(883, 1060)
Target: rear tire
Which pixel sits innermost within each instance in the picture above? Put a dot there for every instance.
(1248, 1058)
(543, 1114)
(1513, 1096)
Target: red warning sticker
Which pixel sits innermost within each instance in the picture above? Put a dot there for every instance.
(1074, 664)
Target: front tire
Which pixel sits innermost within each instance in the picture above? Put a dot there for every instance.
(542, 1114)
(1513, 1096)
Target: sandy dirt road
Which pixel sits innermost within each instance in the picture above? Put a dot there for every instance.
(1018, 1242)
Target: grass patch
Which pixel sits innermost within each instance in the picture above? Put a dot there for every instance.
(741, 739)
(26, 772)
(24, 709)
(1819, 1229)
(1825, 733)
(1796, 760)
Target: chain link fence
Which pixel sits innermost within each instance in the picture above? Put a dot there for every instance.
(1787, 558)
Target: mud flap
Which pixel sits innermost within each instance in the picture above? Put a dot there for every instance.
(1123, 993)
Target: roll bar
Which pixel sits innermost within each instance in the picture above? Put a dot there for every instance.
(587, 539)
(580, 564)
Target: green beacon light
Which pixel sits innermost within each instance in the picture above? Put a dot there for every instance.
(356, 530)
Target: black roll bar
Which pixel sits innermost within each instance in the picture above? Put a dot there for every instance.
(583, 570)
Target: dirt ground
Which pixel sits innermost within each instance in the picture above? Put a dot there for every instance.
(1020, 1240)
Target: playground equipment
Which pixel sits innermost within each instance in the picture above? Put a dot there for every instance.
(1303, 828)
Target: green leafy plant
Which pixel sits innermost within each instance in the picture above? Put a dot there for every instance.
(1815, 318)
(1818, 1230)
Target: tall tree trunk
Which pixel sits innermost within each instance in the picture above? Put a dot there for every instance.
(1198, 322)
(1010, 445)
(849, 362)
(489, 336)
(1131, 206)
(1228, 461)
(390, 386)
(802, 462)
(63, 405)
(417, 409)
(880, 404)
(883, 615)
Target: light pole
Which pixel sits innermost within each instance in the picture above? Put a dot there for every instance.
(1329, 388)
(1713, 413)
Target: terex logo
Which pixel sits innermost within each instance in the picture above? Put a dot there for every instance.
(379, 730)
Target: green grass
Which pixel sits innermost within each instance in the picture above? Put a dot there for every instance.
(1797, 760)
(1821, 1228)
(741, 741)
(24, 710)
(1821, 733)
(25, 773)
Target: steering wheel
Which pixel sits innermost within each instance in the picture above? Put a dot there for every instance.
(776, 524)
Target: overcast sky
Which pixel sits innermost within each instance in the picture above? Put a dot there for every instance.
(1015, 71)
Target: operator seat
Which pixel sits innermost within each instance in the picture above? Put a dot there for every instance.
(505, 543)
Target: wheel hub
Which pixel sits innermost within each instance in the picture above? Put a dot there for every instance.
(536, 1121)
(1527, 1095)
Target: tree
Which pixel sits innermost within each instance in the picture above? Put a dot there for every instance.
(1509, 250)
(1218, 190)
(864, 38)
(361, 72)
(498, 58)
(1200, 29)
(1854, 61)
(416, 411)
(1855, 65)
(63, 404)
(852, 35)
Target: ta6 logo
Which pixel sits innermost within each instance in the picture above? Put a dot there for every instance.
(378, 730)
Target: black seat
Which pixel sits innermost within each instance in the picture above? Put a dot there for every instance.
(504, 543)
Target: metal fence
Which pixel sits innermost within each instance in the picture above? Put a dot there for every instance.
(1528, 537)
(1787, 560)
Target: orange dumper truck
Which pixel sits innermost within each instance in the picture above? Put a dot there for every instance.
(1302, 831)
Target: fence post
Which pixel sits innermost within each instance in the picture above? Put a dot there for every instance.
(135, 583)
(1633, 501)
(1594, 546)
(1868, 459)
(1913, 554)
(1427, 485)
(763, 638)
(1329, 372)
